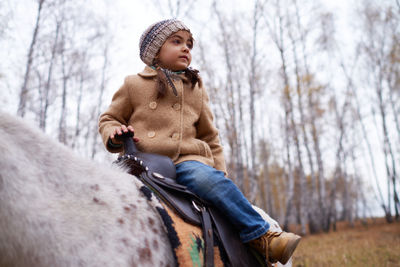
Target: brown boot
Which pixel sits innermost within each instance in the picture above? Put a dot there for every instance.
(276, 246)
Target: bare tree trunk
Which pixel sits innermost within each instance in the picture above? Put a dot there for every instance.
(176, 9)
(321, 170)
(217, 99)
(356, 191)
(387, 148)
(253, 161)
(100, 99)
(311, 200)
(78, 111)
(381, 31)
(332, 209)
(347, 185)
(23, 96)
(62, 125)
(290, 130)
(391, 82)
(264, 179)
(318, 178)
(243, 147)
(365, 135)
(302, 179)
(44, 108)
(175, 12)
(290, 178)
(232, 124)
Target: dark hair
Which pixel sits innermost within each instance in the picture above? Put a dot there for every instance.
(163, 80)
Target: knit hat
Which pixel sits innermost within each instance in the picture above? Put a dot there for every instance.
(154, 37)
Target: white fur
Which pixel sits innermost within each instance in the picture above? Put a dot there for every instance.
(58, 209)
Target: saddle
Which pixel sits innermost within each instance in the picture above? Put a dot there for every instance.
(158, 173)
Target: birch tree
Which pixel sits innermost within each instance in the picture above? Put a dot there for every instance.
(61, 70)
(233, 91)
(24, 92)
(175, 9)
(377, 46)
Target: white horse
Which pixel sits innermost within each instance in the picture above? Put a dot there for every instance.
(59, 209)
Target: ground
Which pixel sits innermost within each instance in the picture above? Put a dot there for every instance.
(374, 244)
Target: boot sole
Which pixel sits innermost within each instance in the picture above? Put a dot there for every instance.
(290, 247)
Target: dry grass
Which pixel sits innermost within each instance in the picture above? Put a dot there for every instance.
(377, 244)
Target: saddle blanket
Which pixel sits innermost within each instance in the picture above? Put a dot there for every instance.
(187, 240)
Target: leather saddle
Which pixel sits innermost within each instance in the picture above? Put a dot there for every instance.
(158, 173)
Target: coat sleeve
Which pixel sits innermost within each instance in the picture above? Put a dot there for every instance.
(118, 113)
(207, 132)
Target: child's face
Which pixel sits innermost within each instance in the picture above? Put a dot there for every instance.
(175, 54)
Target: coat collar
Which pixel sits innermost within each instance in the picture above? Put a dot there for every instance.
(149, 73)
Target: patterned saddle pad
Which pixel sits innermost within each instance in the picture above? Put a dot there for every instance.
(187, 241)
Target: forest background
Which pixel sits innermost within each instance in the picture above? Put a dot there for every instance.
(306, 94)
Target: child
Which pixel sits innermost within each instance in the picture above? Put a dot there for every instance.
(169, 110)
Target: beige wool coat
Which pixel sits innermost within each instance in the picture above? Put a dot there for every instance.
(180, 127)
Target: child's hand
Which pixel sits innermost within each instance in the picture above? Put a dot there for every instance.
(119, 131)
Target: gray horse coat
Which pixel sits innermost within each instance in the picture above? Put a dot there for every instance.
(58, 209)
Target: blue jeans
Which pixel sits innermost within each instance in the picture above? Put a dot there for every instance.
(214, 187)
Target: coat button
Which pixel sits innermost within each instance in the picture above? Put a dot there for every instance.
(177, 106)
(151, 134)
(153, 105)
(175, 136)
